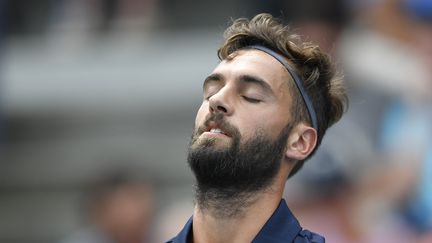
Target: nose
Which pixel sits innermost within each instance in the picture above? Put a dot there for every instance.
(220, 102)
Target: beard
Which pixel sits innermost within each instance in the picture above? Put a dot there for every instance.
(228, 179)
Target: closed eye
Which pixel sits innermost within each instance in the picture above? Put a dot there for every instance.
(251, 100)
(210, 91)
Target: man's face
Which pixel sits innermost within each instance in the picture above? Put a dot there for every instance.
(242, 126)
(251, 93)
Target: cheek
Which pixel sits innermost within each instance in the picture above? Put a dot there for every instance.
(270, 123)
(201, 113)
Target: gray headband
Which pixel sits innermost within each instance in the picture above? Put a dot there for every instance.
(297, 80)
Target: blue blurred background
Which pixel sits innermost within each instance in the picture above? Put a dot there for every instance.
(98, 99)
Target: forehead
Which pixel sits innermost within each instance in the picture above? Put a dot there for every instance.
(255, 63)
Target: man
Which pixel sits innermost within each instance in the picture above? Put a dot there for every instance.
(266, 108)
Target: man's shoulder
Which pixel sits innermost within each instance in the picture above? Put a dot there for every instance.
(304, 236)
(282, 227)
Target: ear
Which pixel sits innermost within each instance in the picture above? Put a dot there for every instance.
(301, 142)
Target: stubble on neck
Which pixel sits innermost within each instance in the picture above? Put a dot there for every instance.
(226, 203)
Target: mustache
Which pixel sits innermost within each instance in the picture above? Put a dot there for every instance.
(220, 121)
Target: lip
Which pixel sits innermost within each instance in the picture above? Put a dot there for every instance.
(213, 134)
(213, 125)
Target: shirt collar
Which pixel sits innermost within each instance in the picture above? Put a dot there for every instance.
(183, 236)
(281, 227)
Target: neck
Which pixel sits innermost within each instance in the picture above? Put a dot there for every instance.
(238, 218)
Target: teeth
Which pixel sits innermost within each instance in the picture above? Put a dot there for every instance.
(216, 130)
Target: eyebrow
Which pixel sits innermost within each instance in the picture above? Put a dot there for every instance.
(250, 79)
(214, 77)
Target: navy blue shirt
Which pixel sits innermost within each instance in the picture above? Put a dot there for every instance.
(282, 227)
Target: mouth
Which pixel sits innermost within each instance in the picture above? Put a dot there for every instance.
(217, 130)
(213, 128)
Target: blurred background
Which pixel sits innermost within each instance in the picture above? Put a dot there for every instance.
(98, 99)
